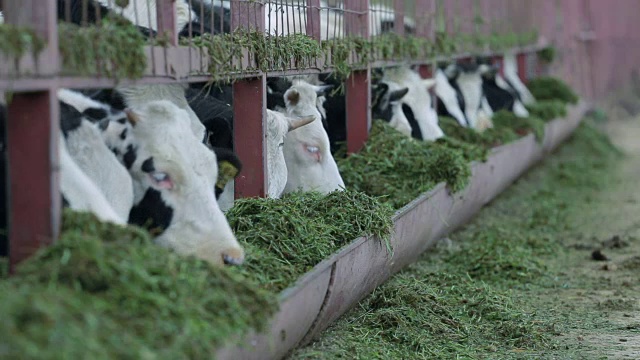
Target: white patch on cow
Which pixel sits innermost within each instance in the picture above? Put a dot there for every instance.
(227, 197)
(81, 193)
(470, 85)
(139, 95)
(511, 73)
(89, 152)
(143, 13)
(449, 97)
(310, 165)
(80, 101)
(485, 107)
(418, 99)
(398, 119)
(189, 171)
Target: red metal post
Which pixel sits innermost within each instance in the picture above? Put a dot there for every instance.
(249, 111)
(521, 60)
(166, 14)
(32, 143)
(358, 88)
(398, 21)
(313, 19)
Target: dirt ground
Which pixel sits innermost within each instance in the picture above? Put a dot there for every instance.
(606, 283)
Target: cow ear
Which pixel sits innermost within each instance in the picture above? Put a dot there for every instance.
(229, 166)
(292, 97)
(103, 124)
(322, 89)
(429, 83)
(398, 94)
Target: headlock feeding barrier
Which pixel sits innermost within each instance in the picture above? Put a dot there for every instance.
(52, 44)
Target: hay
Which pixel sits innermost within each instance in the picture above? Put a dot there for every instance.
(487, 139)
(549, 88)
(547, 110)
(401, 168)
(284, 238)
(107, 291)
(504, 119)
(476, 301)
(114, 48)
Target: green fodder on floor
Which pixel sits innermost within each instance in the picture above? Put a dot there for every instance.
(284, 238)
(400, 168)
(108, 291)
(477, 299)
(550, 88)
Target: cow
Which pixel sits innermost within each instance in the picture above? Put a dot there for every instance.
(310, 165)
(416, 104)
(450, 101)
(466, 78)
(174, 176)
(512, 78)
(82, 120)
(499, 93)
(217, 116)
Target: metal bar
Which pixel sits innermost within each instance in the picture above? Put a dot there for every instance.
(34, 192)
(313, 19)
(249, 111)
(249, 100)
(398, 21)
(33, 173)
(425, 18)
(166, 14)
(358, 89)
(521, 59)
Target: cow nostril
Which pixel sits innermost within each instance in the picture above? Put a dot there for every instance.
(229, 260)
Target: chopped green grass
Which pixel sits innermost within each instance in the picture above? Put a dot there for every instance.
(504, 119)
(400, 168)
(550, 88)
(108, 291)
(547, 110)
(284, 238)
(478, 301)
(487, 139)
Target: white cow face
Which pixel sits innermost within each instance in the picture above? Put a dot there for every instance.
(449, 97)
(468, 79)
(174, 177)
(310, 165)
(278, 125)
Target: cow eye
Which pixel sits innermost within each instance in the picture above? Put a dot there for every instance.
(161, 179)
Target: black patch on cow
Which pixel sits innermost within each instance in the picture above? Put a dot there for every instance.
(152, 213)
(70, 118)
(95, 114)
(148, 166)
(110, 97)
(497, 97)
(513, 89)
(130, 156)
(116, 152)
(215, 115)
(209, 19)
(103, 124)
(123, 134)
(65, 202)
(415, 128)
(461, 102)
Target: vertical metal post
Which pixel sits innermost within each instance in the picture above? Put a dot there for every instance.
(313, 19)
(521, 60)
(398, 21)
(34, 216)
(249, 111)
(166, 17)
(358, 89)
(426, 18)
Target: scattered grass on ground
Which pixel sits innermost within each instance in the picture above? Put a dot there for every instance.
(478, 298)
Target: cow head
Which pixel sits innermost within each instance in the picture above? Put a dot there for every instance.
(467, 79)
(387, 106)
(310, 165)
(175, 176)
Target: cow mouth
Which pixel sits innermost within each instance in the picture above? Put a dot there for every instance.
(230, 260)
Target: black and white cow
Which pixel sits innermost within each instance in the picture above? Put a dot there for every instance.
(466, 78)
(450, 100)
(499, 93)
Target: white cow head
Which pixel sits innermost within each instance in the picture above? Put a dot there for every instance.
(416, 104)
(387, 105)
(467, 78)
(174, 176)
(278, 125)
(310, 165)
